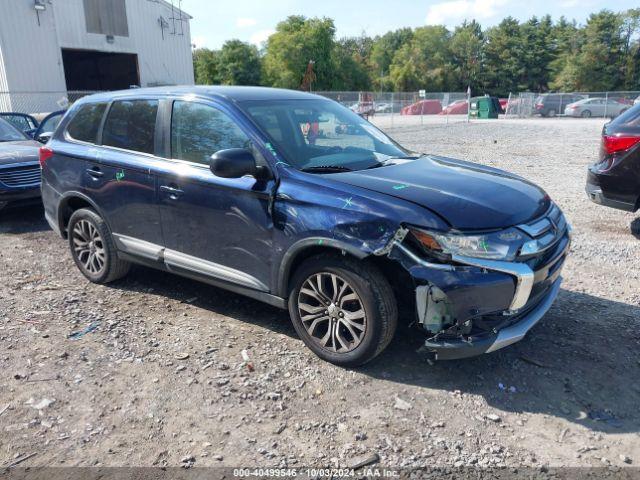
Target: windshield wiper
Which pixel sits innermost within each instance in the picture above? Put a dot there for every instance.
(326, 168)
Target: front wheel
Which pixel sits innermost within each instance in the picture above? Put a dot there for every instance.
(92, 248)
(343, 310)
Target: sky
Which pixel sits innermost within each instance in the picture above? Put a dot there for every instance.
(215, 21)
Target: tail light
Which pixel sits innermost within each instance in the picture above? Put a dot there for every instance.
(618, 143)
(45, 154)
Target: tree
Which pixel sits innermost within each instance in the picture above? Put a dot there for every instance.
(466, 47)
(238, 64)
(205, 67)
(383, 50)
(504, 68)
(538, 51)
(424, 62)
(600, 64)
(296, 41)
(567, 42)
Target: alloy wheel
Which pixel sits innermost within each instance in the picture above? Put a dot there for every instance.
(88, 247)
(332, 312)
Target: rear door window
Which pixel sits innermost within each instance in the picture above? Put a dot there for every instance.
(86, 122)
(131, 125)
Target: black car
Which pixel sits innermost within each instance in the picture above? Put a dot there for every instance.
(551, 104)
(19, 167)
(614, 180)
(294, 200)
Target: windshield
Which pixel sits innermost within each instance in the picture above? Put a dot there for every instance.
(322, 135)
(8, 133)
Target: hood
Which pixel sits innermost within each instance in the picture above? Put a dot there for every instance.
(19, 151)
(468, 196)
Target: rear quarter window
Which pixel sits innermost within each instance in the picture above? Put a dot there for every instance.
(131, 125)
(86, 122)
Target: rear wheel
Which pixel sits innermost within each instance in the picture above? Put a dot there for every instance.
(586, 114)
(343, 310)
(92, 248)
(551, 113)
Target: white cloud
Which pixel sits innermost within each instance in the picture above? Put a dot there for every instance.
(243, 22)
(261, 36)
(451, 13)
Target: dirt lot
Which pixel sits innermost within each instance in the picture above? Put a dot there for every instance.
(154, 373)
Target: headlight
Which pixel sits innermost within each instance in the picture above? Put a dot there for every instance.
(502, 245)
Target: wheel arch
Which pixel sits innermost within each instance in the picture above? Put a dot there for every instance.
(306, 248)
(69, 203)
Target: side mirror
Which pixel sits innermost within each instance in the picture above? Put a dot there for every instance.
(236, 163)
(44, 137)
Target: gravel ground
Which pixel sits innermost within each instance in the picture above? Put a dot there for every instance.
(154, 373)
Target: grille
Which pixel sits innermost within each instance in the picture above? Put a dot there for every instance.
(546, 232)
(21, 176)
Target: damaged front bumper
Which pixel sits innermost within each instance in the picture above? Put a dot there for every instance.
(474, 306)
(452, 349)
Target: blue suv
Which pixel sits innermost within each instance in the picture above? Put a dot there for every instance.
(294, 200)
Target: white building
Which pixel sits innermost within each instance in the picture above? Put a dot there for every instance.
(52, 48)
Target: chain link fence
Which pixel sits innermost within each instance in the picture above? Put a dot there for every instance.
(35, 103)
(389, 109)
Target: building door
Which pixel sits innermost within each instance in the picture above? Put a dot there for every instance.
(94, 70)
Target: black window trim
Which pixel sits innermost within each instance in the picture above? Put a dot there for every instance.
(67, 136)
(156, 132)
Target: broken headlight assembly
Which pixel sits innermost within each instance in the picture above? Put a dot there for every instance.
(500, 245)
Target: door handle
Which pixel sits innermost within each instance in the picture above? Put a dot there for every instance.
(174, 192)
(95, 172)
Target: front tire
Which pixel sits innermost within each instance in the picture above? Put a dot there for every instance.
(343, 310)
(92, 248)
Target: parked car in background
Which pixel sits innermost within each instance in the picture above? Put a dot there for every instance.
(423, 107)
(19, 167)
(47, 126)
(595, 107)
(614, 180)
(459, 107)
(22, 121)
(221, 184)
(551, 104)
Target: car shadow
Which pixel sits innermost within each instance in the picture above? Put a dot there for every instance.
(201, 295)
(25, 219)
(580, 363)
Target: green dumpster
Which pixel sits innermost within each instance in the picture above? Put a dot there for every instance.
(484, 107)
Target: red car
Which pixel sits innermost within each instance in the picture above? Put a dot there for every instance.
(423, 107)
(459, 107)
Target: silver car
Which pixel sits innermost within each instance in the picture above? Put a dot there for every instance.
(595, 107)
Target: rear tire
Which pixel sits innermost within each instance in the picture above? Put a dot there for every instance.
(92, 248)
(586, 114)
(342, 309)
(551, 113)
